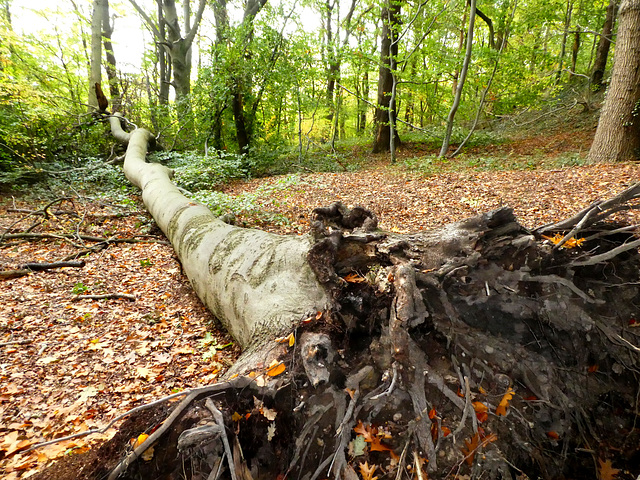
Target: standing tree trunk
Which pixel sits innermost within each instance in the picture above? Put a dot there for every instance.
(575, 49)
(177, 46)
(95, 64)
(565, 34)
(479, 348)
(241, 83)
(110, 64)
(386, 109)
(463, 77)
(604, 44)
(618, 135)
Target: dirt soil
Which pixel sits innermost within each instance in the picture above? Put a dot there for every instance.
(68, 365)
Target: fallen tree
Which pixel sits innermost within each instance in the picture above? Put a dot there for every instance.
(477, 350)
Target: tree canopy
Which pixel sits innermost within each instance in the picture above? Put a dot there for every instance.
(296, 75)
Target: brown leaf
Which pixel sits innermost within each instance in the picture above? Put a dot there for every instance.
(606, 470)
(354, 278)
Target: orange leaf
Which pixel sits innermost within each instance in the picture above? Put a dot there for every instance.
(470, 451)
(276, 370)
(482, 416)
(445, 431)
(136, 442)
(432, 414)
(378, 446)
(236, 417)
(473, 445)
(606, 471)
(290, 339)
(501, 410)
(367, 471)
(553, 435)
(480, 407)
(354, 278)
(364, 430)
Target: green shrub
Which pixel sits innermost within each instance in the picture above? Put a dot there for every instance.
(195, 172)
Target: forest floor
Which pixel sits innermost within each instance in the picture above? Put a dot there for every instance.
(69, 364)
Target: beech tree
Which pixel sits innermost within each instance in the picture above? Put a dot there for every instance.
(618, 135)
(177, 45)
(96, 52)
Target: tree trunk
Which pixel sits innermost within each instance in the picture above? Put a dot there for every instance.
(575, 49)
(385, 109)
(489, 22)
(565, 34)
(164, 61)
(463, 77)
(177, 46)
(96, 53)
(479, 348)
(110, 64)
(604, 44)
(241, 83)
(618, 135)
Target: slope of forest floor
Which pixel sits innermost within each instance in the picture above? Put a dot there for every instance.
(69, 364)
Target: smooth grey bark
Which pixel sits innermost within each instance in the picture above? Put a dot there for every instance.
(259, 285)
(177, 46)
(110, 58)
(461, 80)
(96, 52)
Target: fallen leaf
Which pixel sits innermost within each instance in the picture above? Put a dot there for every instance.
(364, 430)
(378, 446)
(606, 470)
(236, 417)
(290, 339)
(474, 443)
(271, 431)
(571, 243)
(480, 407)
(367, 471)
(276, 370)
(269, 413)
(354, 278)
(501, 409)
(136, 442)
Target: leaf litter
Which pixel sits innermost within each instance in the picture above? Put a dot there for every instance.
(70, 366)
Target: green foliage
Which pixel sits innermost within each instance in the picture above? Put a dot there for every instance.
(79, 289)
(251, 204)
(212, 346)
(195, 172)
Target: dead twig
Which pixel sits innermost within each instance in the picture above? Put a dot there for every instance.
(28, 268)
(597, 211)
(239, 382)
(603, 257)
(16, 342)
(106, 296)
(217, 416)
